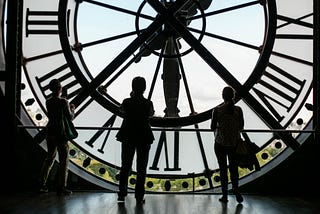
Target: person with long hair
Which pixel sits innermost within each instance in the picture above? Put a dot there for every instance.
(227, 121)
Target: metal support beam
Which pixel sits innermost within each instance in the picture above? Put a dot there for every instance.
(316, 69)
(11, 97)
(13, 66)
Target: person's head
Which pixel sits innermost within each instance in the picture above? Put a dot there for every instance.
(228, 96)
(55, 86)
(228, 93)
(138, 85)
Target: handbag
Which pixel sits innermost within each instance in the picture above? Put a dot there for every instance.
(246, 154)
(242, 147)
(70, 131)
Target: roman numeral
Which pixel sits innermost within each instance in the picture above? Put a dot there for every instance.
(66, 78)
(163, 143)
(41, 56)
(288, 21)
(278, 90)
(287, 27)
(203, 155)
(41, 22)
(94, 138)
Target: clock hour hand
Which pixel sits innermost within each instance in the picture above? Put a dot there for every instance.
(118, 61)
(125, 54)
(226, 76)
(241, 90)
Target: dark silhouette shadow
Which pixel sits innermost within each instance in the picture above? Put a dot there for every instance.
(136, 136)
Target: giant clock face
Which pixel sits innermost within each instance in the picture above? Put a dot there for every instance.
(187, 51)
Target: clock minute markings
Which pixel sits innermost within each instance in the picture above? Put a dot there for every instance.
(66, 78)
(46, 23)
(109, 123)
(284, 87)
(163, 146)
(125, 54)
(290, 23)
(69, 83)
(207, 171)
(203, 155)
(225, 74)
(284, 90)
(297, 21)
(41, 22)
(163, 143)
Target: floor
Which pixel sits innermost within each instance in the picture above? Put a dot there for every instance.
(106, 203)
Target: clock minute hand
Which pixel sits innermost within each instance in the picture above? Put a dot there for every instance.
(226, 75)
(125, 54)
(118, 61)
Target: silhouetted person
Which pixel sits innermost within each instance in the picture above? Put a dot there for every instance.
(227, 121)
(135, 135)
(56, 142)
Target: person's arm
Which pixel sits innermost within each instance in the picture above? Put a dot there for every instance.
(151, 110)
(214, 121)
(68, 109)
(241, 119)
(122, 106)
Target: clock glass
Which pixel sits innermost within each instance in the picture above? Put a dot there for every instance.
(188, 51)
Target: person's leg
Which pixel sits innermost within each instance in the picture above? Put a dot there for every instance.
(48, 163)
(223, 166)
(63, 152)
(233, 168)
(142, 163)
(234, 175)
(127, 153)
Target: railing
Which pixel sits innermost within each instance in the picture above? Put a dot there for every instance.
(177, 129)
(162, 174)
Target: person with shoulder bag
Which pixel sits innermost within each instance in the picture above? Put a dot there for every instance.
(227, 121)
(57, 142)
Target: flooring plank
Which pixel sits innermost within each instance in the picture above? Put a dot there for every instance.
(106, 203)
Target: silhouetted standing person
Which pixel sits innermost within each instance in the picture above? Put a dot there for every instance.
(227, 121)
(135, 135)
(56, 142)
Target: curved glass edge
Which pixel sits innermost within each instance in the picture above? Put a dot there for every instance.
(274, 155)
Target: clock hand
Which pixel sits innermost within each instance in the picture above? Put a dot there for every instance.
(103, 88)
(171, 80)
(225, 74)
(119, 9)
(125, 54)
(110, 69)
